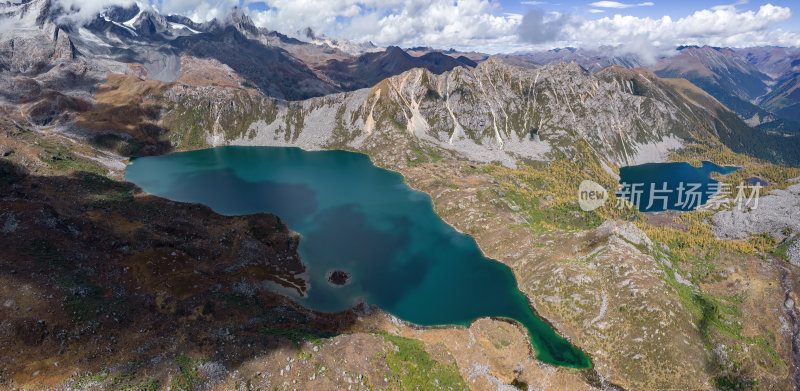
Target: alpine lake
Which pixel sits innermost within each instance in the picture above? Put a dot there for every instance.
(657, 187)
(365, 236)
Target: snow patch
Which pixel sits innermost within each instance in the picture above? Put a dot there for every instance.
(130, 23)
(88, 36)
(178, 26)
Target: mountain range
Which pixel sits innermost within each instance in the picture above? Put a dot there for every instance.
(108, 287)
(756, 83)
(62, 65)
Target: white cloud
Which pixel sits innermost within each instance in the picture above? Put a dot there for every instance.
(199, 11)
(724, 26)
(481, 24)
(535, 28)
(473, 24)
(705, 26)
(440, 23)
(616, 4)
(82, 11)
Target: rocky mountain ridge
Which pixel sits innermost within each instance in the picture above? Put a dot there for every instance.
(277, 65)
(755, 83)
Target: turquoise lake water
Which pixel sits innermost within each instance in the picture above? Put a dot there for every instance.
(664, 180)
(359, 218)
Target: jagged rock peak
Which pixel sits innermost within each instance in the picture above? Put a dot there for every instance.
(120, 14)
(30, 13)
(150, 22)
(240, 21)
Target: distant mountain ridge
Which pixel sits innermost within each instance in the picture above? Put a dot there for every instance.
(276, 64)
(592, 60)
(227, 80)
(758, 84)
(755, 83)
(724, 74)
(783, 65)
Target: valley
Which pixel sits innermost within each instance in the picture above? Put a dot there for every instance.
(107, 285)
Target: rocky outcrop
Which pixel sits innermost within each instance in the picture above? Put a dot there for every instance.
(775, 214)
(499, 112)
(31, 41)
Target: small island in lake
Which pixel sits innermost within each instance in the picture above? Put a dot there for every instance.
(338, 277)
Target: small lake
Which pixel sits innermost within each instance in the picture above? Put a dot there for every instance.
(671, 186)
(361, 219)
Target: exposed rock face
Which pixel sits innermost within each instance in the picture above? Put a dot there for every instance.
(775, 213)
(277, 65)
(498, 112)
(31, 40)
(493, 112)
(625, 231)
(122, 14)
(794, 253)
